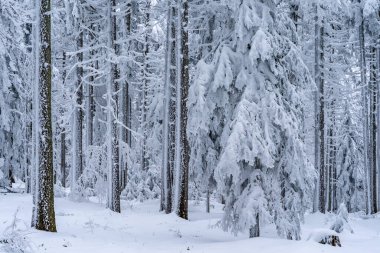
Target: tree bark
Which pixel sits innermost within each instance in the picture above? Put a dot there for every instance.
(44, 214)
(373, 128)
(185, 80)
(112, 104)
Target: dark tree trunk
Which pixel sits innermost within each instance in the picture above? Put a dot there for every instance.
(254, 231)
(114, 201)
(321, 119)
(172, 114)
(44, 213)
(373, 128)
(78, 130)
(185, 80)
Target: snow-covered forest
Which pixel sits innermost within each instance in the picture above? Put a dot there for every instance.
(189, 126)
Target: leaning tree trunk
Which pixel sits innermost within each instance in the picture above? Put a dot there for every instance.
(44, 206)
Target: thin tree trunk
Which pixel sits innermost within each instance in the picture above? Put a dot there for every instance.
(144, 155)
(63, 132)
(320, 118)
(112, 104)
(373, 129)
(363, 74)
(77, 168)
(165, 133)
(169, 151)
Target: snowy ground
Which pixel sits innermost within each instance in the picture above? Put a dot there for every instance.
(140, 228)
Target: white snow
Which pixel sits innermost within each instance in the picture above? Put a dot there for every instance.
(140, 228)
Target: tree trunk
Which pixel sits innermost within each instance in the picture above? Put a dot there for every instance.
(363, 75)
(185, 80)
(373, 128)
(144, 123)
(112, 104)
(44, 205)
(254, 231)
(63, 132)
(320, 115)
(169, 112)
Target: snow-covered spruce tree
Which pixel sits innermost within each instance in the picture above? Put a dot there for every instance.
(348, 161)
(263, 170)
(44, 215)
(205, 17)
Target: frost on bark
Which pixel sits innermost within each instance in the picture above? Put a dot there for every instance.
(176, 152)
(184, 149)
(320, 113)
(364, 91)
(112, 104)
(78, 116)
(373, 128)
(169, 113)
(44, 202)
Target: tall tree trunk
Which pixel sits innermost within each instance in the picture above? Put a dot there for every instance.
(125, 101)
(63, 132)
(169, 111)
(363, 75)
(77, 167)
(90, 95)
(144, 153)
(112, 104)
(373, 128)
(320, 112)
(378, 121)
(44, 205)
(185, 80)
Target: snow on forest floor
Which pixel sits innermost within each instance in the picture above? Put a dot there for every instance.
(89, 227)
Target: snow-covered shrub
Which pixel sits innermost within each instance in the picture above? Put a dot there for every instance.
(325, 236)
(341, 220)
(13, 239)
(92, 181)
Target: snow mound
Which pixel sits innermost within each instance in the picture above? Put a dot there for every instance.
(318, 235)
